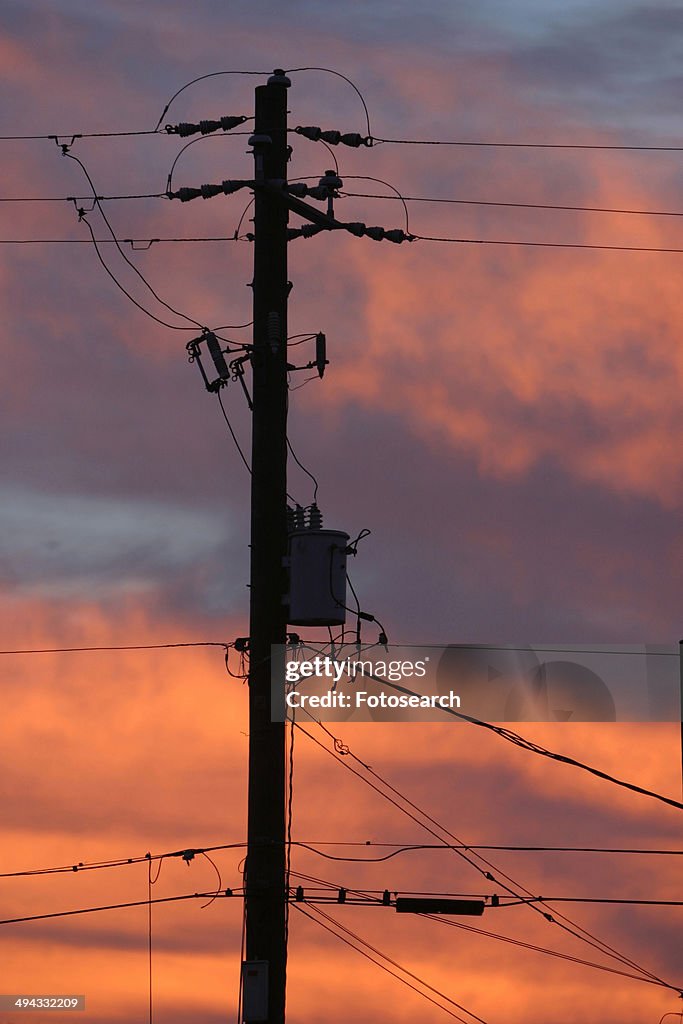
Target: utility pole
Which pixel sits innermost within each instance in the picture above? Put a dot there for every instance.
(266, 897)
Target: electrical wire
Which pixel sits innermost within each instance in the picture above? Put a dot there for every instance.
(150, 883)
(569, 925)
(582, 934)
(130, 647)
(536, 748)
(202, 138)
(355, 88)
(378, 963)
(135, 269)
(234, 894)
(74, 135)
(409, 847)
(368, 895)
(146, 243)
(538, 949)
(527, 145)
(220, 881)
(398, 196)
(303, 338)
(312, 846)
(301, 466)
(480, 931)
(71, 199)
(288, 830)
(519, 206)
(143, 243)
(200, 78)
(80, 866)
(547, 245)
(143, 309)
(245, 211)
(332, 154)
(232, 433)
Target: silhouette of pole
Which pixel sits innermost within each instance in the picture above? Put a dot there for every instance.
(265, 865)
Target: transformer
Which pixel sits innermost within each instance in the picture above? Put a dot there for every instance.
(317, 577)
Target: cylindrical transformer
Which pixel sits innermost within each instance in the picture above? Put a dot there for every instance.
(317, 577)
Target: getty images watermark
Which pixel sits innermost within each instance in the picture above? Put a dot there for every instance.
(498, 683)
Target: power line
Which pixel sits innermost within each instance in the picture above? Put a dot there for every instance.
(187, 855)
(144, 243)
(510, 901)
(231, 893)
(311, 846)
(232, 432)
(338, 74)
(302, 467)
(528, 145)
(148, 242)
(538, 949)
(202, 138)
(489, 934)
(535, 748)
(548, 245)
(412, 847)
(110, 273)
(582, 933)
(521, 206)
(200, 78)
(75, 135)
(364, 952)
(135, 269)
(73, 199)
(127, 647)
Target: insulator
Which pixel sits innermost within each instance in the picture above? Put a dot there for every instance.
(330, 180)
(278, 77)
(332, 137)
(183, 130)
(209, 191)
(305, 231)
(311, 132)
(185, 194)
(376, 233)
(228, 187)
(216, 354)
(299, 517)
(227, 123)
(299, 894)
(259, 140)
(290, 519)
(341, 896)
(206, 127)
(397, 235)
(315, 518)
(318, 192)
(352, 139)
(356, 229)
(298, 189)
(320, 353)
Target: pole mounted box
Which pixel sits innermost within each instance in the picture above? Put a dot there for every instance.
(317, 577)
(254, 991)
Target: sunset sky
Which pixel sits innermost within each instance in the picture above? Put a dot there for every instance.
(505, 419)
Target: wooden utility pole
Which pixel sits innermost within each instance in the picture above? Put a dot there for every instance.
(266, 898)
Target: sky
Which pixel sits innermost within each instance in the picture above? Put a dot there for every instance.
(503, 418)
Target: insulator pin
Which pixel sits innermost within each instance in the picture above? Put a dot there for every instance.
(315, 518)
